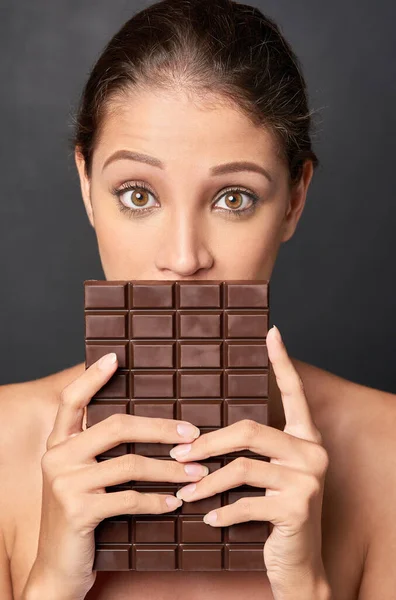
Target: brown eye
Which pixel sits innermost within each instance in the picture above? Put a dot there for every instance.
(237, 199)
(139, 203)
(234, 200)
(133, 197)
(139, 197)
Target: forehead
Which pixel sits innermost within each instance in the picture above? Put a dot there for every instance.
(173, 127)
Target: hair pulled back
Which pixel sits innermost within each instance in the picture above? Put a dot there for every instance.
(214, 51)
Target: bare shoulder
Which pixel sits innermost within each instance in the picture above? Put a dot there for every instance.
(358, 426)
(357, 422)
(28, 411)
(25, 416)
(348, 410)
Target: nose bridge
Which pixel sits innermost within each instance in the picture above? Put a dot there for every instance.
(184, 222)
(184, 229)
(183, 248)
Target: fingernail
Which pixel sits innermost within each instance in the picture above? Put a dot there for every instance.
(187, 489)
(196, 469)
(173, 502)
(180, 450)
(210, 517)
(107, 361)
(277, 333)
(188, 430)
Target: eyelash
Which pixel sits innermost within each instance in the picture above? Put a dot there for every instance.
(136, 213)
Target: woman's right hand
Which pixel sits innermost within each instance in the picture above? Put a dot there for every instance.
(74, 499)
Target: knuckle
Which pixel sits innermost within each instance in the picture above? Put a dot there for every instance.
(50, 441)
(300, 512)
(244, 508)
(316, 437)
(60, 486)
(49, 462)
(243, 465)
(66, 396)
(250, 428)
(128, 464)
(313, 486)
(115, 424)
(74, 510)
(131, 500)
(316, 456)
(322, 458)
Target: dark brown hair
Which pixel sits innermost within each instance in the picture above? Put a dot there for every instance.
(214, 51)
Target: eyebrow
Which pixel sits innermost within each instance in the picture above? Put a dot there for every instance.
(232, 167)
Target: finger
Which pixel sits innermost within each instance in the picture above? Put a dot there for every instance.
(298, 417)
(259, 508)
(128, 467)
(121, 429)
(241, 435)
(131, 502)
(76, 396)
(242, 470)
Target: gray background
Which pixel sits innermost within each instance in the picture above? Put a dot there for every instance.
(333, 287)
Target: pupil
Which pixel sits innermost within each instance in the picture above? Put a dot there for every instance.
(232, 199)
(139, 197)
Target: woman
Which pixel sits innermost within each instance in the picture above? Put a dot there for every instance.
(193, 149)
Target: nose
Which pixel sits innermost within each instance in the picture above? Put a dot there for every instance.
(183, 250)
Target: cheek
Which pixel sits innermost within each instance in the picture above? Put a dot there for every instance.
(248, 257)
(252, 240)
(123, 248)
(123, 254)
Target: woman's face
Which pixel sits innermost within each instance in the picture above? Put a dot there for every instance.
(193, 221)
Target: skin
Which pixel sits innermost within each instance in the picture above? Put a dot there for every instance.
(187, 237)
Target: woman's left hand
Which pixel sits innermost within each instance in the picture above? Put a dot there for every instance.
(293, 478)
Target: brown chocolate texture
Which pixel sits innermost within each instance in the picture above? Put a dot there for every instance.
(187, 350)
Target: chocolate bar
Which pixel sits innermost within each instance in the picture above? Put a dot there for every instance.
(187, 350)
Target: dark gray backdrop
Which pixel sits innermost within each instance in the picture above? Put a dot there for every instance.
(333, 288)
